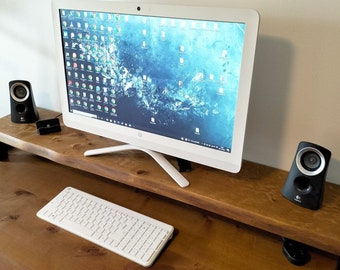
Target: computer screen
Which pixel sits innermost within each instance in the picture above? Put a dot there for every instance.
(172, 79)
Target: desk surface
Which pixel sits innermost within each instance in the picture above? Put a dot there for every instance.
(202, 240)
(252, 196)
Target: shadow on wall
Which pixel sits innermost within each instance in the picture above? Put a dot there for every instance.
(268, 100)
(333, 171)
(26, 51)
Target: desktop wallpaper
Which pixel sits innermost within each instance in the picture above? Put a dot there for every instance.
(174, 77)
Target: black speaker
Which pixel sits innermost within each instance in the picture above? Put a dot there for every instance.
(23, 109)
(306, 180)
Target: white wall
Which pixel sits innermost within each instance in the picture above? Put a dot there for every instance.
(296, 79)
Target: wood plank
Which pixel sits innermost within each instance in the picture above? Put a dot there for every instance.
(202, 240)
(252, 196)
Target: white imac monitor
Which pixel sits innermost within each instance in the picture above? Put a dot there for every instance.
(164, 79)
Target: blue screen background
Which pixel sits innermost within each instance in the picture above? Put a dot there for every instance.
(173, 77)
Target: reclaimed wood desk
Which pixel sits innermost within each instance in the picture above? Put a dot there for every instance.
(216, 217)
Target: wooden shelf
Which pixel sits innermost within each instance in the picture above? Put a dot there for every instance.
(252, 196)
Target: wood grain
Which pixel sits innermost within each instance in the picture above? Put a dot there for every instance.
(202, 240)
(252, 196)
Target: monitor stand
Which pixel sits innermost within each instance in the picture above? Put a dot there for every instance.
(159, 158)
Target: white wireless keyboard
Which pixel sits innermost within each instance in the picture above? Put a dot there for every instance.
(118, 229)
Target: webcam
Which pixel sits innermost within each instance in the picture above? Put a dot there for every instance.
(139, 8)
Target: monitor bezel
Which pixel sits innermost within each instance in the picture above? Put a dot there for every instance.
(214, 158)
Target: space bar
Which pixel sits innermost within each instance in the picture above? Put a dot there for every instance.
(76, 228)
